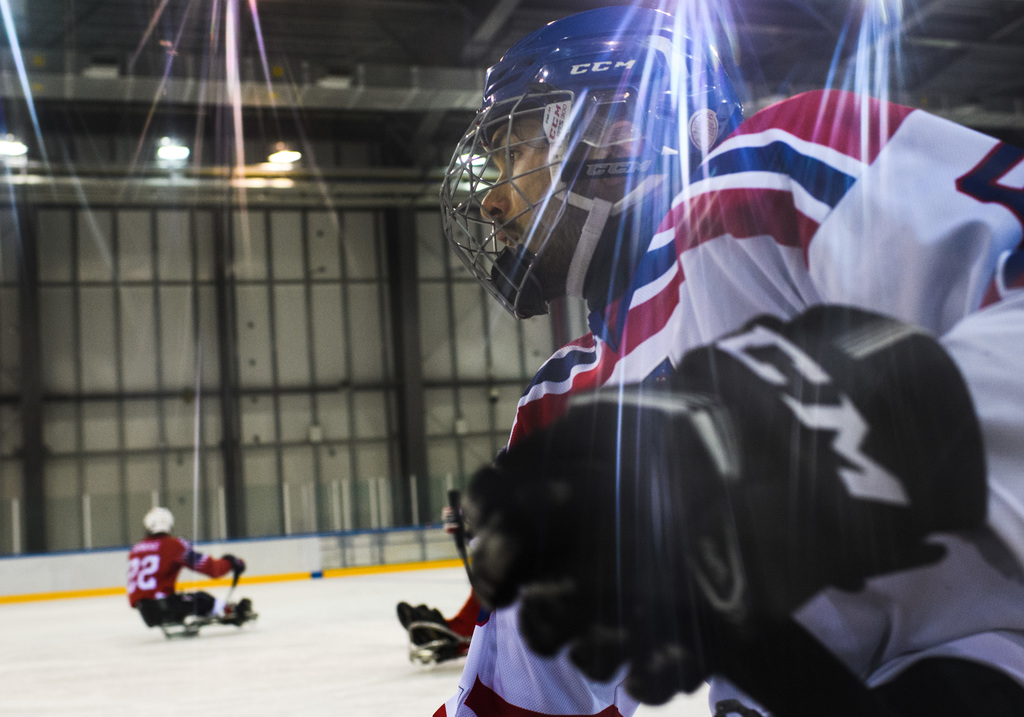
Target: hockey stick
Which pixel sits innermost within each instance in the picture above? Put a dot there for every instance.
(455, 503)
(234, 583)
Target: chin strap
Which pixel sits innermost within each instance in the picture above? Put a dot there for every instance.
(598, 212)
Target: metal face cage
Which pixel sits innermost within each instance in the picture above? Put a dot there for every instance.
(484, 160)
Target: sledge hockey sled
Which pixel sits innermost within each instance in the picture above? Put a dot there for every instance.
(441, 644)
(189, 625)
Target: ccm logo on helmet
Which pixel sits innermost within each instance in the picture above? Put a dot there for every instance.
(601, 66)
(616, 169)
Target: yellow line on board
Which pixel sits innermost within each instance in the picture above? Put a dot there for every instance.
(248, 580)
(393, 568)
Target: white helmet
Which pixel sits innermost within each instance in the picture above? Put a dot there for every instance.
(159, 520)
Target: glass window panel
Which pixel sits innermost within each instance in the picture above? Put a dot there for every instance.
(333, 416)
(435, 341)
(477, 452)
(359, 242)
(208, 337)
(63, 505)
(254, 367)
(505, 351)
(538, 343)
(471, 350)
(60, 428)
(205, 248)
(258, 420)
(505, 409)
(53, 238)
(439, 407)
(134, 245)
(370, 413)
(329, 350)
(262, 494)
(476, 409)
(291, 335)
(295, 417)
(141, 424)
(10, 340)
(431, 245)
(174, 242)
(100, 426)
(366, 334)
(10, 431)
(181, 494)
(95, 261)
(322, 231)
(177, 337)
(373, 470)
(297, 469)
(211, 422)
(138, 339)
(101, 476)
(335, 484)
(10, 240)
(60, 367)
(99, 365)
(11, 480)
(286, 244)
(142, 485)
(249, 244)
(443, 462)
(142, 477)
(179, 418)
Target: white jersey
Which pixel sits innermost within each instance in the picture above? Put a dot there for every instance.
(823, 198)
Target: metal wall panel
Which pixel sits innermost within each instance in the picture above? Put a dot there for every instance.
(97, 355)
(93, 250)
(135, 245)
(10, 339)
(291, 336)
(138, 356)
(55, 239)
(130, 304)
(435, 332)
(59, 346)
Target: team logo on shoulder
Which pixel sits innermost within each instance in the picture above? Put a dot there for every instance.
(703, 129)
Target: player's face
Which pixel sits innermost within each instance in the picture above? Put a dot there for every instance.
(514, 203)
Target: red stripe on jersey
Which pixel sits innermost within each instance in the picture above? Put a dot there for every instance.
(485, 701)
(743, 213)
(832, 118)
(650, 317)
(548, 408)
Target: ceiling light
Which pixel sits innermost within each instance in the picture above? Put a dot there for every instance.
(171, 150)
(283, 155)
(11, 146)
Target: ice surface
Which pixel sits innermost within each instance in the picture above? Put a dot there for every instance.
(320, 647)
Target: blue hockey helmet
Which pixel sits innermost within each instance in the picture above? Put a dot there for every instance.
(573, 80)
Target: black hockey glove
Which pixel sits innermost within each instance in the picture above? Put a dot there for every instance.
(652, 522)
(237, 564)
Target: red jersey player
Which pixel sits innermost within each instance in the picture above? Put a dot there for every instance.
(153, 567)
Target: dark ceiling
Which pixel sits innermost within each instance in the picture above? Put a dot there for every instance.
(407, 73)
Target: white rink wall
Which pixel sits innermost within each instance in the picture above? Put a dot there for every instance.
(101, 572)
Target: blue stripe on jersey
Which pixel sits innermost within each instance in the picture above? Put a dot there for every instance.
(557, 370)
(822, 181)
(653, 264)
(192, 558)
